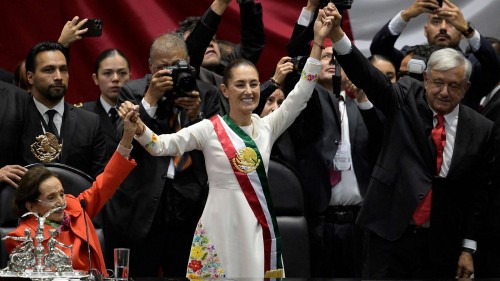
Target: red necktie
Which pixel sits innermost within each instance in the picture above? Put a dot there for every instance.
(423, 211)
(335, 177)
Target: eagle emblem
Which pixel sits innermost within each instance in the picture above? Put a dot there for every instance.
(46, 148)
(246, 160)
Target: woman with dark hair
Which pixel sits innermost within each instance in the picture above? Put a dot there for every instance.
(111, 71)
(39, 191)
(237, 234)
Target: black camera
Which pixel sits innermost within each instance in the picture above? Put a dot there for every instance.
(184, 77)
(340, 4)
(298, 63)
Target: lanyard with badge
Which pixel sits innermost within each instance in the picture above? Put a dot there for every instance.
(343, 160)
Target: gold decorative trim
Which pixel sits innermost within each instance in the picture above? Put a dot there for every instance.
(46, 148)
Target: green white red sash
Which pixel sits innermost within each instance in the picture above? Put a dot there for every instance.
(254, 184)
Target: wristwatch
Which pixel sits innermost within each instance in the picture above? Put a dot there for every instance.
(469, 30)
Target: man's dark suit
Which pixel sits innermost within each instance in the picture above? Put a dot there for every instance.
(406, 167)
(485, 63)
(83, 142)
(153, 215)
(111, 134)
(12, 113)
(487, 255)
(316, 135)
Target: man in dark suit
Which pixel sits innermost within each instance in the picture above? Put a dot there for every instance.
(330, 125)
(424, 203)
(155, 211)
(488, 255)
(76, 130)
(12, 113)
(444, 31)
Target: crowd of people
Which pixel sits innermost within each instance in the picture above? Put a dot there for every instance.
(396, 153)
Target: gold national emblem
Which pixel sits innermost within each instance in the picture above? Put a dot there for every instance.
(46, 148)
(246, 160)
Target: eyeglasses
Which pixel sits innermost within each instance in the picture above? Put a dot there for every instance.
(452, 87)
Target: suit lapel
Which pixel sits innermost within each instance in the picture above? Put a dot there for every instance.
(108, 127)
(492, 103)
(3, 104)
(334, 103)
(34, 119)
(423, 138)
(462, 139)
(67, 130)
(352, 118)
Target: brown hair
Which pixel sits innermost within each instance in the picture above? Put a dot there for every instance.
(28, 188)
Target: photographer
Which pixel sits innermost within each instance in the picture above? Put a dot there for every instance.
(155, 211)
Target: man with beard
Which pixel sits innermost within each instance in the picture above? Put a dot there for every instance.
(73, 133)
(444, 30)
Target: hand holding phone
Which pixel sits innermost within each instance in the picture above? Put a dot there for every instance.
(94, 28)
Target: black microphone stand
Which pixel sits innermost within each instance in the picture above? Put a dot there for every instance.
(92, 276)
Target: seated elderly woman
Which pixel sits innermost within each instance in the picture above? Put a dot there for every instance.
(40, 190)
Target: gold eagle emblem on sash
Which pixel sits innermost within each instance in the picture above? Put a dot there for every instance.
(46, 148)
(246, 160)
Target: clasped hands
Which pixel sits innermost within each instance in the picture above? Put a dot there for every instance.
(129, 113)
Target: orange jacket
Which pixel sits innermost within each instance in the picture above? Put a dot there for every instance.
(96, 196)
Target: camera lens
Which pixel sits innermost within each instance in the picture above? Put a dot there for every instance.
(186, 82)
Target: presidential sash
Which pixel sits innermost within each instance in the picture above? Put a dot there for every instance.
(247, 164)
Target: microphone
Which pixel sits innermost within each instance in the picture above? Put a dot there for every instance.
(83, 203)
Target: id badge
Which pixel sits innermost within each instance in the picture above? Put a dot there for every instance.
(342, 160)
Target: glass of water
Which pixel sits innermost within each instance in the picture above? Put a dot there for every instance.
(122, 256)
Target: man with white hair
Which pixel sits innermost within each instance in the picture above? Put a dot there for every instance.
(424, 203)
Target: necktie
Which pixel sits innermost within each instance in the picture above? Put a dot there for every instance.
(423, 211)
(184, 161)
(51, 127)
(113, 115)
(336, 176)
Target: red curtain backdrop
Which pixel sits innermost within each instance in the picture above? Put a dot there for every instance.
(130, 26)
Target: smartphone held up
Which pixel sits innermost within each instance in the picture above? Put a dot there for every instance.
(94, 28)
